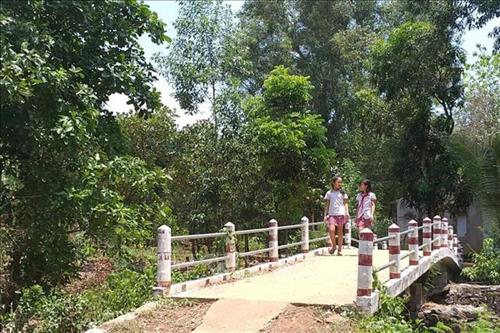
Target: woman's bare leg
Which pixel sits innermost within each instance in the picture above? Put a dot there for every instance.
(331, 233)
(341, 238)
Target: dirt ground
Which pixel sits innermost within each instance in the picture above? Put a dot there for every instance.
(184, 316)
(172, 317)
(309, 319)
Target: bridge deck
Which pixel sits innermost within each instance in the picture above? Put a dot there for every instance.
(317, 280)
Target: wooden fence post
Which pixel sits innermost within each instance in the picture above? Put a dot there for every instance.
(230, 247)
(164, 252)
(413, 242)
(365, 263)
(273, 240)
(305, 234)
(427, 236)
(436, 232)
(394, 251)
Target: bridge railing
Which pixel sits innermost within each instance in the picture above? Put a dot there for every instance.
(436, 234)
(165, 239)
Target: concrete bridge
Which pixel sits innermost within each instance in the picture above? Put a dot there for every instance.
(312, 277)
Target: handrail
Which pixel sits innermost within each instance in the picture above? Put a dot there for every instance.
(405, 232)
(318, 239)
(422, 227)
(252, 231)
(197, 236)
(285, 246)
(381, 268)
(316, 223)
(407, 254)
(250, 253)
(290, 226)
(198, 262)
(381, 239)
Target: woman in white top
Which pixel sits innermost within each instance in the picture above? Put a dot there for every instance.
(366, 205)
(336, 212)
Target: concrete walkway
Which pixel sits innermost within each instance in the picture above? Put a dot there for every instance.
(318, 280)
(239, 316)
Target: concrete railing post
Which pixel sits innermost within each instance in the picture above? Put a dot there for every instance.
(427, 236)
(394, 251)
(305, 234)
(230, 247)
(365, 262)
(455, 244)
(436, 233)
(273, 240)
(348, 234)
(450, 237)
(444, 232)
(413, 242)
(164, 253)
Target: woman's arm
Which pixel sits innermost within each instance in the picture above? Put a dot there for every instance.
(346, 206)
(327, 205)
(373, 211)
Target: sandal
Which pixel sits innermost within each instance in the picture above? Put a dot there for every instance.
(331, 251)
(339, 254)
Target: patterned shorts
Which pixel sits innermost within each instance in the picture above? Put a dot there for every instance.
(336, 220)
(362, 223)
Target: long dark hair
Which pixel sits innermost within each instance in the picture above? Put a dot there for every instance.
(332, 184)
(368, 185)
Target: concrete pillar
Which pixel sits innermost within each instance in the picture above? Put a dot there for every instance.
(436, 232)
(394, 251)
(164, 253)
(427, 236)
(450, 237)
(413, 242)
(348, 235)
(305, 234)
(455, 244)
(273, 240)
(444, 232)
(230, 247)
(416, 299)
(365, 263)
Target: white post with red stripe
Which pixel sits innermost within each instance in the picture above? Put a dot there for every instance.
(444, 232)
(348, 234)
(450, 237)
(427, 236)
(164, 252)
(413, 242)
(455, 244)
(436, 232)
(305, 234)
(230, 247)
(365, 263)
(394, 251)
(273, 240)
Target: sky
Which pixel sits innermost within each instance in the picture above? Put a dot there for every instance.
(167, 11)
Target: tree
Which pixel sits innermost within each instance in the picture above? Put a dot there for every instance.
(476, 143)
(59, 176)
(200, 56)
(291, 141)
(427, 75)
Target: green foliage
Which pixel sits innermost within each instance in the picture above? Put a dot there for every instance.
(193, 273)
(40, 311)
(290, 140)
(486, 267)
(62, 172)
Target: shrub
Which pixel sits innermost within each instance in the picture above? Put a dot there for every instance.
(486, 267)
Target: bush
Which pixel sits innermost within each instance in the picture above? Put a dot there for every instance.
(486, 268)
(40, 311)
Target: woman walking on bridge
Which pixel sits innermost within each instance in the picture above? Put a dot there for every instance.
(336, 212)
(366, 205)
